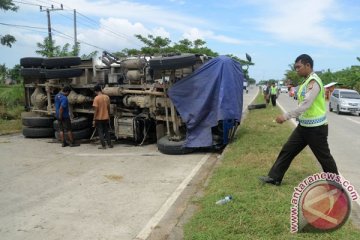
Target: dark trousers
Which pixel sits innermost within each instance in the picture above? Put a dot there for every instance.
(102, 127)
(273, 100)
(316, 138)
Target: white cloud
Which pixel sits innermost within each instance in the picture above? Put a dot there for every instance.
(302, 21)
(116, 34)
(195, 33)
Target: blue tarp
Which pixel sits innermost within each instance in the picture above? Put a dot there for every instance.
(213, 92)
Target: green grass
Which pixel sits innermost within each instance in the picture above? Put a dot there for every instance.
(11, 106)
(11, 95)
(257, 211)
(10, 126)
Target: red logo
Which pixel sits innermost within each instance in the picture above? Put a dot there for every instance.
(325, 205)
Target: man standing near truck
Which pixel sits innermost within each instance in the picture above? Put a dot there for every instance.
(101, 120)
(63, 117)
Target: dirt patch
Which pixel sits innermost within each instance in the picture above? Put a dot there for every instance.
(116, 178)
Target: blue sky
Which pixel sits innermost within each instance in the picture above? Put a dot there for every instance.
(273, 32)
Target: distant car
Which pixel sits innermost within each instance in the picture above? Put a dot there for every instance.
(345, 101)
(284, 89)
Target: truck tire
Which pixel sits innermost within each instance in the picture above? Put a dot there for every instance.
(62, 73)
(37, 132)
(256, 106)
(29, 62)
(79, 134)
(76, 123)
(61, 62)
(32, 72)
(171, 147)
(37, 121)
(174, 62)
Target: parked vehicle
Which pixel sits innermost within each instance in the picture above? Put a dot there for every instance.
(284, 89)
(345, 101)
(145, 106)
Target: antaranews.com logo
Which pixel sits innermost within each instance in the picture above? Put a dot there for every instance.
(321, 202)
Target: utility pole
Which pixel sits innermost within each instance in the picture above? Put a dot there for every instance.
(49, 24)
(75, 33)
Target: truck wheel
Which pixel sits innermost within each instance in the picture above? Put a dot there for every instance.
(62, 73)
(37, 132)
(256, 106)
(61, 62)
(28, 62)
(76, 123)
(175, 62)
(171, 147)
(32, 72)
(79, 134)
(330, 108)
(37, 121)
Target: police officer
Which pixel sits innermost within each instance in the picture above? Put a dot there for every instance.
(273, 94)
(313, 126)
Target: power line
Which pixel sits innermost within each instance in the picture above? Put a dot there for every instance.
(124, 36)
(29, 3)
(86, 43)
(90, 20)
(90, 23)
(25, 26)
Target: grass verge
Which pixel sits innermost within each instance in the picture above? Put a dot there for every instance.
(11, 106)
(257, 211)
(10, 126)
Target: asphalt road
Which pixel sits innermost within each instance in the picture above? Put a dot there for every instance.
(50, 192)
(344, 141)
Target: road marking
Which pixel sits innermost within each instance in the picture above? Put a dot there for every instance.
(352, 120)
(154, 221)
(116, 154)
(284, 111)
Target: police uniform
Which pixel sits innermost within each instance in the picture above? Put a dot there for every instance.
(312, 130)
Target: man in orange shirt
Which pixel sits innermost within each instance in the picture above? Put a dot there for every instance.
(101, 106)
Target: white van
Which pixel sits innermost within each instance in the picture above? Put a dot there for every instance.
(345, 100)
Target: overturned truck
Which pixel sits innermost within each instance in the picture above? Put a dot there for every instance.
(181, 101)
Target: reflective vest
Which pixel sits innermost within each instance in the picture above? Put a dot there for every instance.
(273, 90)
(316, 114)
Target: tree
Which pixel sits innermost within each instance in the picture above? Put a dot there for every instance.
(154, 45)
(127, 52)
(244, 63)
(3, 73)
(48, 49)
(158, 45)
(7, 40)
(292, 76)
(89, 56)
(14, 73)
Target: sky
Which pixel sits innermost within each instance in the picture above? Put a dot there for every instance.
(272, 32)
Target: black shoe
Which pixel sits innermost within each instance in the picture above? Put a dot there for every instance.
(102, 147)
(64, 144)
(267, 179)
(110, 146)
(74, 144)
